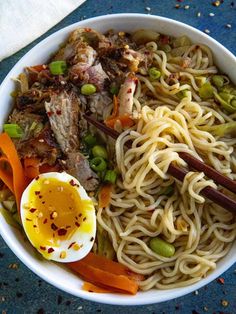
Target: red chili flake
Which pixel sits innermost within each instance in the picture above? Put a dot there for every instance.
(34, 226)
(129, 91)
(179, 0)
(42, 248)
(40, 196)
(49, 113)
(58, 112)
(84, 218)
(77, 224)
(80, 215)
(92, 239)
(43, 202)
(51, 216)
(87, 29)
(68, 227)
(72, 182)
(37, 192)
(165, 39)
(28, 219)
(36, 178)
(221, 280)
(32, 210)
(45, 221)
(76, 218)
(50, 250)
(71, 245)
(62, 232)
(54, 227)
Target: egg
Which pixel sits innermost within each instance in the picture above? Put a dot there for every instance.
(58, 217)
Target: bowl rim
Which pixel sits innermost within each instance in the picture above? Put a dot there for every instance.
(108, 298)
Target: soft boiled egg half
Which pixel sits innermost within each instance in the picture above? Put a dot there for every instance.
(58, 217)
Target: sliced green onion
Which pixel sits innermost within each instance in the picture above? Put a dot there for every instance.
(58, 67)
(99, 151)
(206, 91)
(98, 164)
(218, 80)
(13, 130)
(182, 94)
(114, 89)
(154, 73)
(162, 247)
(88, 89)
(90, 140)
(110, 176)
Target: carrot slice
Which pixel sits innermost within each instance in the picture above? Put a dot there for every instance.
(105, 278)
(88, 286)
(38, 68)
(116, 268)
(104, 197)
(5, 175)
(116, 107)
(125, 121)
(31, 167)
(18, 182)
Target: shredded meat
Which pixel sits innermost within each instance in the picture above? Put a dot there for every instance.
(77, 165)
(29, 122)
(43, 146)
(63, 114)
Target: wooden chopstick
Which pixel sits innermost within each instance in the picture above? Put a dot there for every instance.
(209, 172)
(209, 192)
(179, 173)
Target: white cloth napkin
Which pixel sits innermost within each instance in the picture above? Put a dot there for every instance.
(22, 21)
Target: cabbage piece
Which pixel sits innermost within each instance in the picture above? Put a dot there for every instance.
(221, 130)
(227, 101)
(104, 246)
(143, 36)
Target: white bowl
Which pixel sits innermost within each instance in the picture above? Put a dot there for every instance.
(58, 275)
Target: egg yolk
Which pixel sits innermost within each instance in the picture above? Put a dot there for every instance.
(55, 212)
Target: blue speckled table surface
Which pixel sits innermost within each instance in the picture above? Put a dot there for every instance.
(21, 291)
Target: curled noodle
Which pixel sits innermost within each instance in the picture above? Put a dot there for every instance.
(201, 232)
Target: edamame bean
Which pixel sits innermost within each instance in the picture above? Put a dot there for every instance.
(162, 247)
